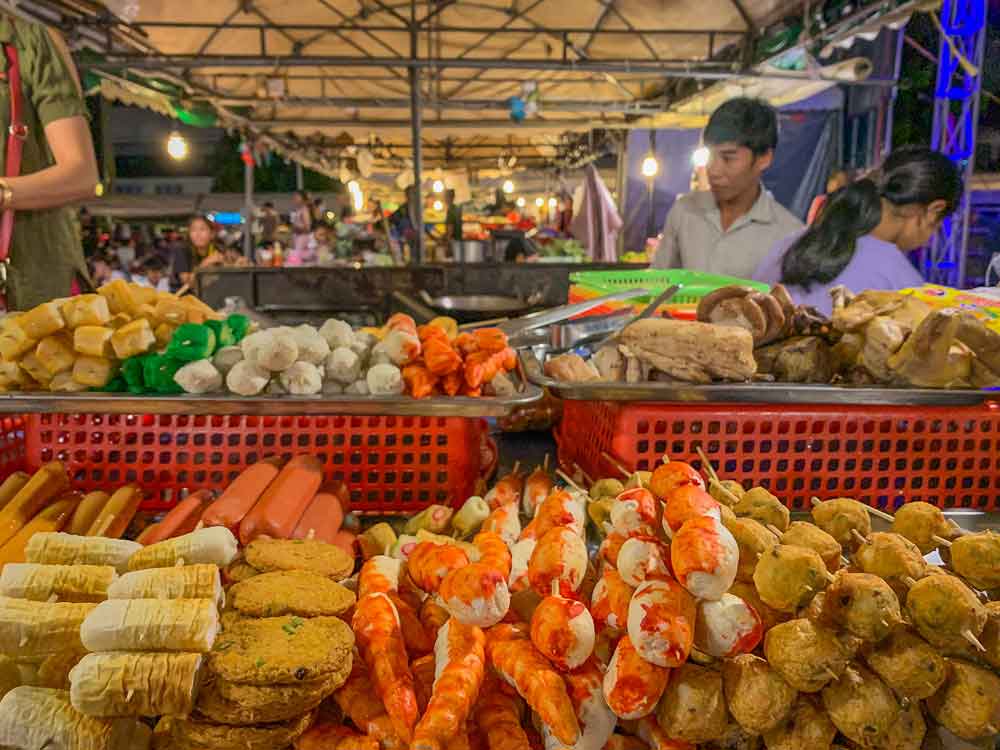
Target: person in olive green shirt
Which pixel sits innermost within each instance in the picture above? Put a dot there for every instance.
(58, 169)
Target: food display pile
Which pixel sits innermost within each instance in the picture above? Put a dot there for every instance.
(661, 610)
(872, 338)
(129, 338)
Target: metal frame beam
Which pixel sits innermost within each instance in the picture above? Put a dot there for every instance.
(551, 105)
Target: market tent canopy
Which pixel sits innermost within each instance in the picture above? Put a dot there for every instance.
(316, 76)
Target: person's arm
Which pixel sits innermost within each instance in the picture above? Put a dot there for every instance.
(668, 252)
(52, 84)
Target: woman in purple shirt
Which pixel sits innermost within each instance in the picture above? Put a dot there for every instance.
(863, 231)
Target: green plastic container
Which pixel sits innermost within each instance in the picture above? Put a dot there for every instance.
(694, 284)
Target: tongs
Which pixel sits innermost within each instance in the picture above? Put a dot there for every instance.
(557, 314)
(648, 311)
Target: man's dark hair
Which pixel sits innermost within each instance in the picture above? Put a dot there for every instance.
(748, 122)
(154, 263)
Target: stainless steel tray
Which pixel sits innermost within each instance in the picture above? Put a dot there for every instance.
(402, 406)
(754, 393)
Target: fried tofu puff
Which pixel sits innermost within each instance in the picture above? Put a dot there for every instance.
(941, 608)
(864, 605)
(811, 536)
(758, 697)
(907, 732)
(753, 539)
(762, 506)
(969, 702)
(890, 556)
(807, 726)
(693, 707)
(908, 664)
(806, 654)
(839, 516)
(976, 557)
(920, 523)
(788, 577)
(861, 706)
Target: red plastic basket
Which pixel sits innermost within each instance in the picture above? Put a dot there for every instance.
(391, 464)
(884, 456)
(11, 445)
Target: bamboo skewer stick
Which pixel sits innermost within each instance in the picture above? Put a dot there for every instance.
(611, 460)
(565, 477)
(583, 474)
(707, 466)
(966, 634)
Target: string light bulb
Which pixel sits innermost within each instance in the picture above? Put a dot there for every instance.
(520, 202)
(539, 202)
(553, 203)
(177, 146)
(700, 157)
(650, 166)
(438, 205)
(438, 186)
(508, 186)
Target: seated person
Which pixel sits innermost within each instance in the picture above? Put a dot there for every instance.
(862, 234)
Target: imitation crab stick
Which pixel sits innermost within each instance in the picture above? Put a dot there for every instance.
(117, 514)
(87, 512)
(11, 486)
(280, 508)
(53, 518)
(242, 494)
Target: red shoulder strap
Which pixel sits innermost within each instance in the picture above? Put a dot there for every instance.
(16, 135)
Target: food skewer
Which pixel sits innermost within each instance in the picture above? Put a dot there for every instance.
(617, 464)
(878, 513)
(565, 477)
(585, 475)
(966, 633)
(707, 466)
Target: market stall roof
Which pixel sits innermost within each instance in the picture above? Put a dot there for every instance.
(315, 76)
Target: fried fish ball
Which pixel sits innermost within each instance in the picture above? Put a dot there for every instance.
(907, 732)
(693, 707)
(758, 697)
(920, 522)
(890, 556)
(811, 536)
(860, 705)
(788, 577)
(908, 664)
(990, 637)
(839, 516)
(862, 604)
(727, 491)
(762, 506)
(969, 702)
(976, 557)
(807, 726)
(942, 608)
(806, 654)
(747, 592)
(753, 540)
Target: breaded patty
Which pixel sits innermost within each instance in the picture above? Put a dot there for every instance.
(194, 733)
(290, 592)
(281, 650)
(264, 697)
(271, 704)
(238, 570)
(267, 555)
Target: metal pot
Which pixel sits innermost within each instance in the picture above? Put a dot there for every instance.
(469, 251)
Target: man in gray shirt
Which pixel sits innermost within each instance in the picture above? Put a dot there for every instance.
(731, 229)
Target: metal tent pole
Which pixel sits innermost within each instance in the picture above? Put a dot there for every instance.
(417, 211)
(300, 180)
(248, 210)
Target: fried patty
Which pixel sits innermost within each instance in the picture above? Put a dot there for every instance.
(196, 734)
(238, 570)
(268, 698)
(290, 592)
(213, 707)
(267, 555)
(282, 650)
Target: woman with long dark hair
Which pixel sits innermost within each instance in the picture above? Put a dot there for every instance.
(863, 231)
(200, 251)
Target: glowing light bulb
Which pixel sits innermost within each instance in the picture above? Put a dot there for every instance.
(650, 166)
(508, 186)
(438, 205)
(539, 202)
(520, 202)
(700, 157)
(438, 186)
(177, 146)
(553, 202)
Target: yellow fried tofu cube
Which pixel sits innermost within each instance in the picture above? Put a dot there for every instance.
(14, 342)
(169, 309)
(42, 321)
(56, 354)
(148, 312)
(86, 310)
(31, 365)
(93, 372)
(120, 297)
(12, 377)
(133, 338)
(94, 341)
(119, 320)
(144, 295)
(65, 383)
(164, 332)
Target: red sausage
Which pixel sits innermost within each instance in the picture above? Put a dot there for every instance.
(279, 509)
(181, 519)
(239, 498)
(325, 514)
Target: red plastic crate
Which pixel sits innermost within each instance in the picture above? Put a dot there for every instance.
(884, 456)
(11, 445)
(391, 464)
